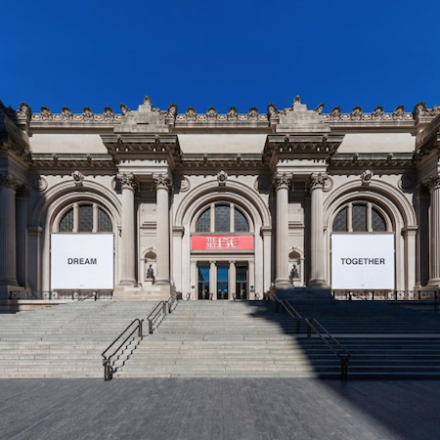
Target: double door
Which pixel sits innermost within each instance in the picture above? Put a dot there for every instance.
(221, 289)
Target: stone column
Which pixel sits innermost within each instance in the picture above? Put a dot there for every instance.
(251, 280)
(8, 250)
(232, 280)
(163, 231)
(213, 279)
(281, 182)
(266, 232)
(434, 235)
(22, 235)
(317, 273)
(127, 257)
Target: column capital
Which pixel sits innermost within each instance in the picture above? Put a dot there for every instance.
(162, 181)
(127, 181)
(317, 180)
(9, 181)
(433, 182)
(282, 180)
(232, 261)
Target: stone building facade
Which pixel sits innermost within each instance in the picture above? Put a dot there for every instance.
(215, 205)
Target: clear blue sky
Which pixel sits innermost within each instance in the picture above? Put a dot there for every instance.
(224, 53)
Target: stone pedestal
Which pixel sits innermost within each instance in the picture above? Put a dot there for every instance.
(317, 273)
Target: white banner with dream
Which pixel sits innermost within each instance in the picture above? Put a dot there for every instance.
(82, 261)
(363, 261)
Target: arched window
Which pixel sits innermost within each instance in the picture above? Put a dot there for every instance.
(227, 218)
(360, 217)
(90, 218)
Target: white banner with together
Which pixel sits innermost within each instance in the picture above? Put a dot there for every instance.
(362, 261)
(82, 261)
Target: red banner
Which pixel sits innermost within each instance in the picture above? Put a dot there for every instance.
(222, 242)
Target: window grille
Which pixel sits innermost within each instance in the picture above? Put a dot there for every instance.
(359, 218)
(85, 218)
(340, 222)
(66, 223)
(104, 221)
(377, 221)
(204, 221)
(222, 218)
(240, 222)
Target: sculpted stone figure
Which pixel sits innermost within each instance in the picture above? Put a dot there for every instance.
(232, 114)
(377, 113)
(320, 108)
(420, 110)
(172, 111)
(108, 113)
(66, 114)
(46, 115)
(124, 109)
(294, 272)
(356, 114)
(335, 113)
(87, 114)
(150, 272)
(399, 113)
(271, 111)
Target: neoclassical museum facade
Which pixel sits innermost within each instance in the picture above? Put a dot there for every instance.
(218, 206)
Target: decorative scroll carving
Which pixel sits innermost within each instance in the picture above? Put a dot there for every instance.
(127, 180)
(162, 181)
(366, 177)
(282, 180)
(222, 177)
(78, 178)
(317, 180)
(9, 181)
(378, 114)
(433, 182)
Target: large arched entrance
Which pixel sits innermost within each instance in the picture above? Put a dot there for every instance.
(225, 254)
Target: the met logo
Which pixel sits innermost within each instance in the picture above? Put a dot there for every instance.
(221, 242)
(226, 242)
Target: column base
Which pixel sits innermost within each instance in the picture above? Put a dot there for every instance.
(162, 283)
(318, 284)
(128, 283)
(432, 285)
(283, 283)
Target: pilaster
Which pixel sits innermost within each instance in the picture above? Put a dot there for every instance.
(434, 239)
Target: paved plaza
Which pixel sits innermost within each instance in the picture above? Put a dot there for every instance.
(219, 409)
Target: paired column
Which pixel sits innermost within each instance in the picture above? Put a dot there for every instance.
(22, 235)
(232, 280)
(128, 186)
(163, 184)
(317, 272)
(434, 239)
(8, 255)
(282, 182)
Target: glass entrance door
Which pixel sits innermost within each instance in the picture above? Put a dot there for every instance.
(222, 282)
(203, 282)
(241, 285)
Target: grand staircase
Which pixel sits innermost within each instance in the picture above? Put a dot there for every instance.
(63, 341)
(221, 339)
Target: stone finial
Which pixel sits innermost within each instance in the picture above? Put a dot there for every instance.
(366, 177)
(399, 113)
(253, 114)
(211, 115)
(420, 110)
(147, 104)
(377, 113)
(356, 114)
(46, 114)
(124, 109)
(88, 114)
(320, 108)
(66, 114)
(191, 114)
(108, 114)
(78, 178)
(25, 110)
(232, 114)
(172, 111)
(222, 177)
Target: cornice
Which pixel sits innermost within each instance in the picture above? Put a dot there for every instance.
(216, 161)
(65, 162)
(376, 160)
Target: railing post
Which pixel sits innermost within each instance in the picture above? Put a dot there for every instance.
(150, 327)
(140, 329)
(298, 326)
(164, 307)
(309, 329)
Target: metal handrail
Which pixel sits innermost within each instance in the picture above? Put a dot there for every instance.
(286, 306)
(108, 368)
(161, 308)
(344, 358)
